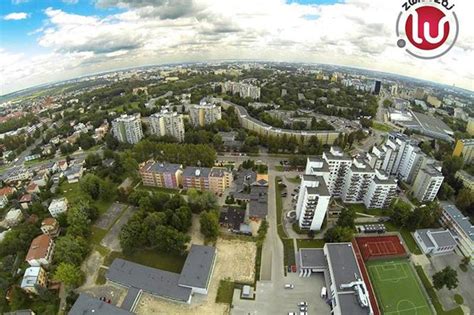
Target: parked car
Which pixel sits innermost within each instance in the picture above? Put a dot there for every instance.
(289, 269)
(291, 313)
(302, 303)
(323, 292)
(289, 286)
(303, 308)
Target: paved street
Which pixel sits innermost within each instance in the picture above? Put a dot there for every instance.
(111, 240)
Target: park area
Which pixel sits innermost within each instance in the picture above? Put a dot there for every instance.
(397, 287)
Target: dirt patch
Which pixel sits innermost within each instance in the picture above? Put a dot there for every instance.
(235, 260)
(195, 233)
(90, 267)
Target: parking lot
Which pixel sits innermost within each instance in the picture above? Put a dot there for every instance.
(111, 240)
(105, 220)
(273, 298)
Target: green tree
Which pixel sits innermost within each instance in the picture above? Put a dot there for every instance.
(447, 277)
(465, 200)
(338, 234)
(346, 218)
(209, 224)
(90, 184)
(200, 201)
(71, 249)
(78, 222)
(69, 274)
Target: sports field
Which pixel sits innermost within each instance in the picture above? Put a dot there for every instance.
(397, 288)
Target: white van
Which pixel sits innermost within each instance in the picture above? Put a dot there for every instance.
(323, 292)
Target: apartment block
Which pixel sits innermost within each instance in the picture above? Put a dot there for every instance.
(161, 174)
(357, 182)
(427, 183)
(204, 114)
(466, 179)
(381, 190)
(219, 179)
(244, 90)
(339, 164)
(313, 201)
(166, 123)
(465, 148)
(196, 177)
(127, 128)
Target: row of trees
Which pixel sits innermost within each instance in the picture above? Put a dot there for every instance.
(424, 216)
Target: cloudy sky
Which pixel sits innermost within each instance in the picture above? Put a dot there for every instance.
(49, 40)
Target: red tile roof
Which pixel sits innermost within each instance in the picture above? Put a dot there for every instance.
(6, 191)
(39, 247)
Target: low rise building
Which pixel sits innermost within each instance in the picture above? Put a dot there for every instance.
(13, 217)
(3, 201)
(58, 206)
(88, 305)
(33, 279)
(466, 179)
(74, 173)
(460, 227)
(435, 241)
(50, 226)
(26, 201)
(41, 251)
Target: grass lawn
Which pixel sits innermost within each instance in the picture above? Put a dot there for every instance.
(279, 168)
(397, 287)
(151, 258)
(74, 192)
(101, 277)
(381, 127)
(225, 292)
(294, 180)
(434, 297)
(310, 243)
(407, 238)
(162, 189)
(362, 209)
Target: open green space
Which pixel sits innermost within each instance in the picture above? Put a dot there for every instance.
(161, 189)
(74, 192)
(381, 127)
(151, 258)
(306, 243)
(397, 288)
(294, 180)
(434, 297)
(225, 292)
(362, 209)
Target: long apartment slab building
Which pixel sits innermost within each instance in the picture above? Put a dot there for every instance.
(244, 90)
(174, 176)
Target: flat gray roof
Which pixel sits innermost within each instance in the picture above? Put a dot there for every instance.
(443, 238)
(321, 189)
(459, 218)
(349, 305)
(130, 299)
(312, 258)
(152, 280)
(198, 266)
(192, 171)
(423, 233)
(88, 305)
(343, 263)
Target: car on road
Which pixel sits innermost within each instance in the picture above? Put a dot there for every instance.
(303, 308)
(289, 286)
(291, 313)
(302, 303)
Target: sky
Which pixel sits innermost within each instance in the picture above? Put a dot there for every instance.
(44, 41)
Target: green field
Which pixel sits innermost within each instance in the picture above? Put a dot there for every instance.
(397, 288)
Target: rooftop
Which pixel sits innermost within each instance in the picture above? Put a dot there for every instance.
(160, 167)
(88, 305)
(312, 258)
(218, 172)
(198, 266)
(459, 218)
(39, 247)
(192, 171)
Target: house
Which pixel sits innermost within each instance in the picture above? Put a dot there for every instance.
(435, 241)
(21, 312)
(50, 226)
(7, 191)
(195, 276)
(62, 165)
(13, 217)
(26, 201)
(40, 179)
(41, 251)
(15, 174)
(3, 201)
(58, 206)
(74, 173)
(32, 188)
(232, 217)
(86, 304)
(34, 278)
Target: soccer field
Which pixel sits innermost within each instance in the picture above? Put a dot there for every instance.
(397, 288)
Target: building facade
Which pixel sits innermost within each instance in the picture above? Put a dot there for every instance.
(167, 123)
(427, 183)
(381, 191)
(204, 114)
(465, 148)
(58, 206)
(41, 251)
(161, 174)
(219, 179)
(34, 278)
(312, 204)
(127, 128)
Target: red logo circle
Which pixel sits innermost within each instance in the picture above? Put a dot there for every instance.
(427, 28)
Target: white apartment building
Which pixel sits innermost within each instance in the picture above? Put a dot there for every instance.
(313, 201)
(58, 206)
(381, 191)
(167, 123)
(461, 228)
(243, 89)
(339, 164)
(427, 183)
(357, 182)
(127, 128)
(204, 114)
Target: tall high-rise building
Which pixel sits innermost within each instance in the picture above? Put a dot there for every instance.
(394, 90)
(127, 128)
(356, 182)
(377, 87)
(339, 164)
(381, 191)
(427, 183)
(167, 123)
(313, 201)
(204, 114)
(245, 90)
(465, 148)
(470, 126)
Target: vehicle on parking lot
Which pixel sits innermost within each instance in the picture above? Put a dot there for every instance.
(323, 292)
(289, 286)
(303, 308)
(302, 303)
(291, 313)
(289, 269)
(303, 313)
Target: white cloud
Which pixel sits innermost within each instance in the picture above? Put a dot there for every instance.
(70, 1)
(14, 16)
(357, 33)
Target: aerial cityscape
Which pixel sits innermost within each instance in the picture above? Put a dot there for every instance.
(231, 183)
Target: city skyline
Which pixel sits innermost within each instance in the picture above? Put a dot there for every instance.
(45, 42)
